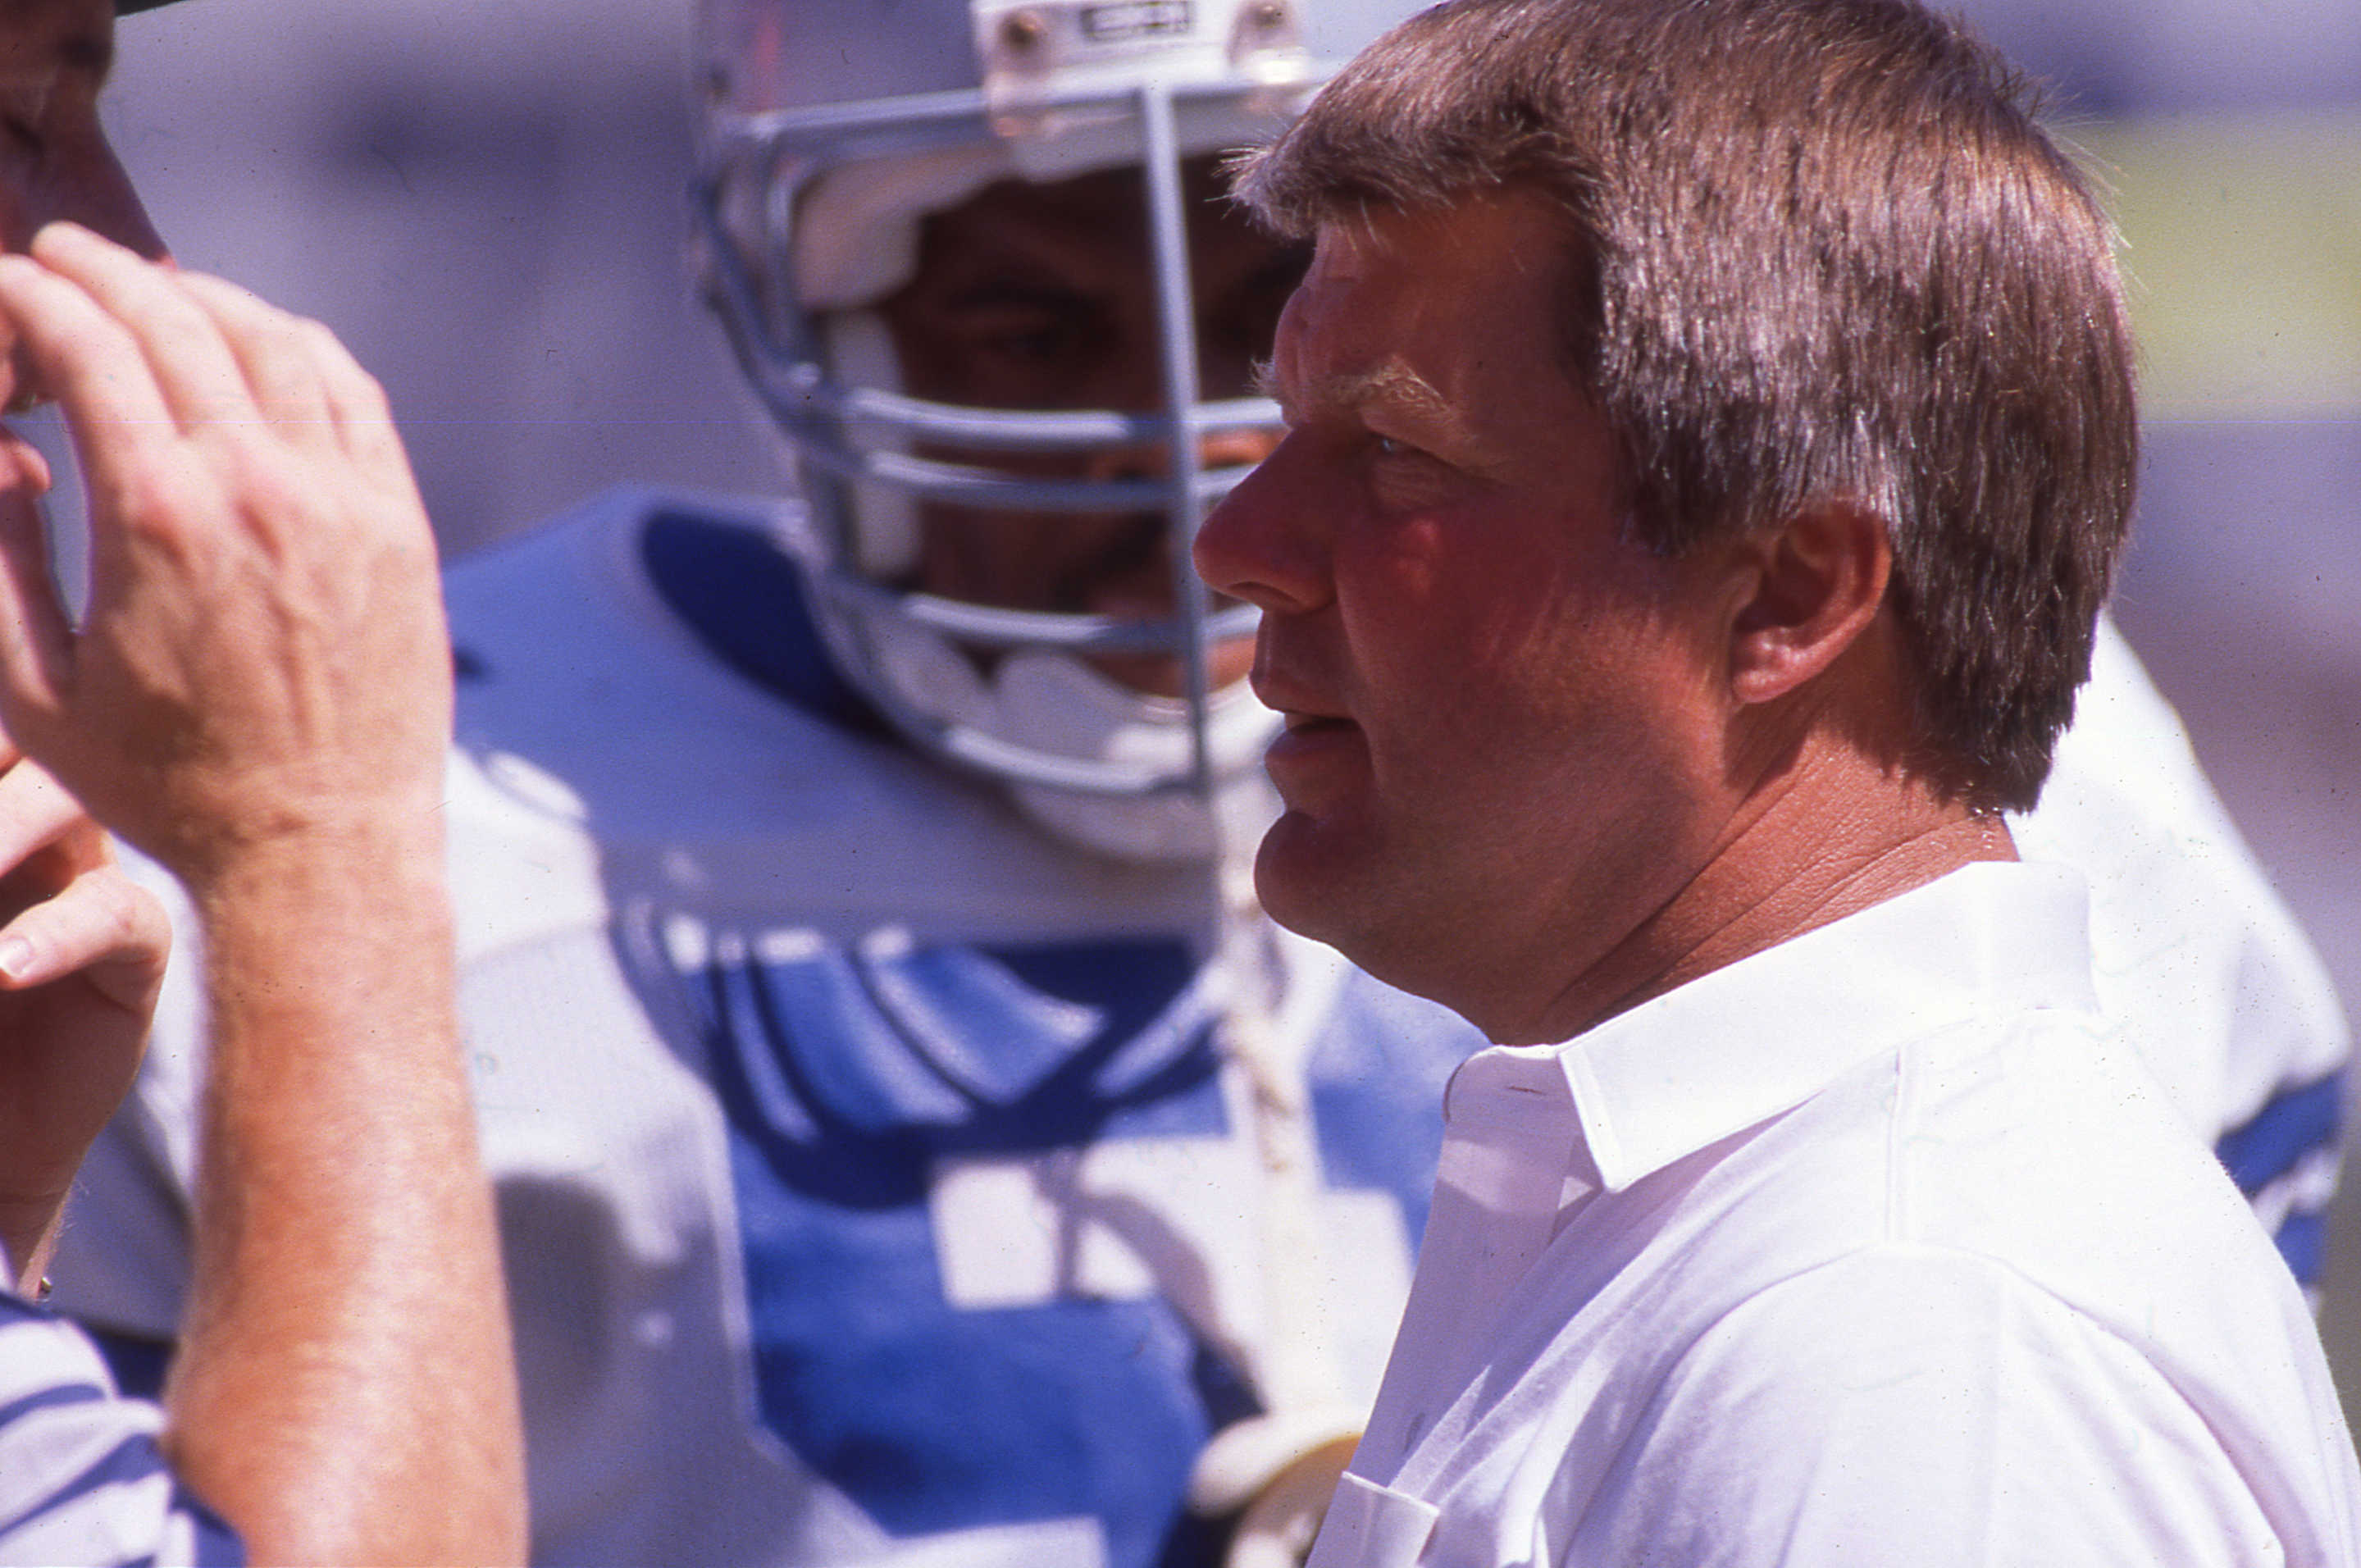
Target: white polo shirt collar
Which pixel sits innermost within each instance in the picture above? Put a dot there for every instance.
(1746, 1042)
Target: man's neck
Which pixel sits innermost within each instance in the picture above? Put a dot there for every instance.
(1832, 836)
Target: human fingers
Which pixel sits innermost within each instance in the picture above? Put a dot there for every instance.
(91, 364)
(36, 813)
(201, 380)
(274, 352)
(364, 419)
(34, 638)
(103, 925)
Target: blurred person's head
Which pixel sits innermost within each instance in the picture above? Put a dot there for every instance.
(55, 160)
(978, 261)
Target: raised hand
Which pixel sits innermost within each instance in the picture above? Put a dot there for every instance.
(259, 695)
(264, 653)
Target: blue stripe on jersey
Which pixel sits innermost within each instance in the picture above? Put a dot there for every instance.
(138, 1363)
(847, 1073)
(48, 1399)
(846, 1076)
(217, 1544)
(135, 1458)
(743, 596)
(2303, 1240)
(2291, 1125)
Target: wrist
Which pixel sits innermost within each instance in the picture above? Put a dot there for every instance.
(359, 852)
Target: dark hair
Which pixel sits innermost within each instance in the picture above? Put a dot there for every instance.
(1830, 255)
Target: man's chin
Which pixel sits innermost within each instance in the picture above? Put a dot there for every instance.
(1302, 878)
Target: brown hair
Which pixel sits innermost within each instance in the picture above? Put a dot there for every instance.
(1830, 255)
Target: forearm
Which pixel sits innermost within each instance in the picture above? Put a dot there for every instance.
(348, 1325)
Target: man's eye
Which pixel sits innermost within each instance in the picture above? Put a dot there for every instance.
(1387, 446)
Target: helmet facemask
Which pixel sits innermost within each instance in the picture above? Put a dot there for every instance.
(1086, 679)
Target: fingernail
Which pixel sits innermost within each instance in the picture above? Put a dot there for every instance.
(15, 956)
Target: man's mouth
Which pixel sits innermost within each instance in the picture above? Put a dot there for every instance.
(1296, 722)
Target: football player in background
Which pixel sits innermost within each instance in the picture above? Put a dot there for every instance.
(913, 1143)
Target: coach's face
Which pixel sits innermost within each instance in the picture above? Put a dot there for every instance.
(1502, 717)
(55, 160)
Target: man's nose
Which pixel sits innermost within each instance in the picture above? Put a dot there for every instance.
(95, 192)
(116, 212)
(1257, 545)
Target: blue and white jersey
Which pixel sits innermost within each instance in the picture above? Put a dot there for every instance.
(2194, 955)
(925, 1197)
(875, 1184)
(82, 1479)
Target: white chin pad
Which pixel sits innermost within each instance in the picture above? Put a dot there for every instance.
(927, 673)
(1053, 702)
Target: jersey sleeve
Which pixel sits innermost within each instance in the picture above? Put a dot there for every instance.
(81, 1478)
(1915, 1405)
(2195, 953)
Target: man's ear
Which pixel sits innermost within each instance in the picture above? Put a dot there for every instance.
(1818, 584)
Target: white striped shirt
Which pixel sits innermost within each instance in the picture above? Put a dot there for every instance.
(81, 1478)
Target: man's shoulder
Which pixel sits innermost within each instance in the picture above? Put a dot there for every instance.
(1938, 1386)
(648, 658)
(1995, 1255)
(2194, 949)
(2038, 1137)
(2033, 1137)
(694, 587)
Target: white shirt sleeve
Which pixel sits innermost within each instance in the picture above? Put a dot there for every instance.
(81, 1478)
(1916, 1406)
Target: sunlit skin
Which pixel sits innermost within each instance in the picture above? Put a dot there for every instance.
(55, 160)
(75, 1041)
(1531, 769)
(1041, 296)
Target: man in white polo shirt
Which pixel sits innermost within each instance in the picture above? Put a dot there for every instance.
(1710, 438)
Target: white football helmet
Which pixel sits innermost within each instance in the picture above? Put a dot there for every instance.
(832, 128)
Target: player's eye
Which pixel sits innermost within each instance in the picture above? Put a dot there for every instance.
(1031, 325)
